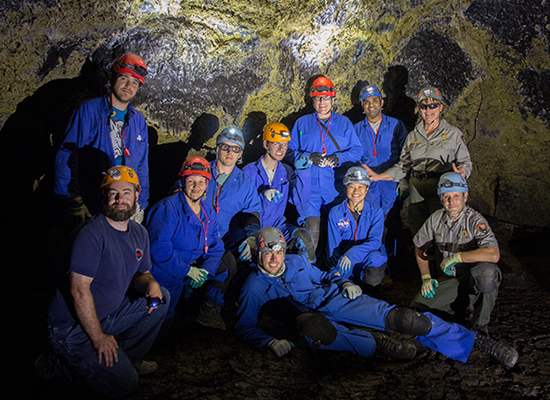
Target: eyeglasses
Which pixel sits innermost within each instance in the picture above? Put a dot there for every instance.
(317, 99)
(226, 147)
(138, 69)
(280, 145)
(431, 106)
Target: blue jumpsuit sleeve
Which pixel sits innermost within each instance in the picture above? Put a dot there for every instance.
(354, 149)
(371, 238)
(294, 146)
(79, 133)
(397, 141)
(252, 205)
(212, 258)
(162, 224)
(300, 185)
(143, 164)
(253, 297)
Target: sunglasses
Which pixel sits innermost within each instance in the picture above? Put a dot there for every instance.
(431, 106)
(138, 69)
(226, 147)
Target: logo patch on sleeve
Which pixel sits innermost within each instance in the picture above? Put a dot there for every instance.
(139, 254)
(482, 227)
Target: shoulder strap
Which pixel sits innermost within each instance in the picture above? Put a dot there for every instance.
(330, 134)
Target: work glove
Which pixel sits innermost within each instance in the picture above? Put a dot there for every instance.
(317, 159)
(448, 265)
(198, 276)
(351, 291)
(272, 195)
(138, 216)
(280, 347)
(246, 249)
(344, 265)
(332, 160)
(428, 286)
(303, 162)
(77, 209)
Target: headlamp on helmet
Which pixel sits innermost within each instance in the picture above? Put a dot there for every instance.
(356, 175)
(276, 132)
(121, 173)
(452, 182)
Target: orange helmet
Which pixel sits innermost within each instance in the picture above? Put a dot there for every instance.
(121, 173)
(322, 86)
(195, 165)
(276, 132)
(133, 65)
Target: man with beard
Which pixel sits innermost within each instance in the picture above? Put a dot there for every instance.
(108, 315)
(278, 184)
(469, 274)
(186, 248)
(104, 132)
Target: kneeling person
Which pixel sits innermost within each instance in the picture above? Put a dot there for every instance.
(355, 229)
(470, 252)
(110, 254)
(281, 275)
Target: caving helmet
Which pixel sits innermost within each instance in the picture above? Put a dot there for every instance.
(131, 64)
(270, 239)
(276, 132)
(195, 165)
(452, 182)
(121, 173)
(322, 86)
(356, 175)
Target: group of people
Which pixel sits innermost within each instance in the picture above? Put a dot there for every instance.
(225, 229)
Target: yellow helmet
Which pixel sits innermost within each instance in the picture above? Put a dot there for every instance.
(276, 132)
(121, 173)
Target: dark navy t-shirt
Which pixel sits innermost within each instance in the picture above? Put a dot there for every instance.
(111, 258)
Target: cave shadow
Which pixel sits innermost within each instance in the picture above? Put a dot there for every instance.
(396, 103)
(355, 113)
(253, 129)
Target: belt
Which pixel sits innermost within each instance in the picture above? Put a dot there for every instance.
(425, 174)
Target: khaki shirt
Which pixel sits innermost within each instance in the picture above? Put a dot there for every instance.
(432, 154)
(469, 232)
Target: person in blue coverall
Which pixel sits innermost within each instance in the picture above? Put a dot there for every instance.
(382, 138)
(186, 249)
(355, 230)
(104, 132)
(278, 184)
(328, 301)
(330, 141)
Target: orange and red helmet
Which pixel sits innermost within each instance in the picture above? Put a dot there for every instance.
(195, 165)
(131, 64)
(322, 86)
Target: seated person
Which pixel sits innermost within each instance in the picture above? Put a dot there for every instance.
(98, 333)
(277, 185)
(186, 248)
(329, 301)
(470, 252)
(355, 229)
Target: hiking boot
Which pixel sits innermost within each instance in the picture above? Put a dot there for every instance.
(210, 315)
(146, 367)
(506, 355)
(390, 347)
(481, 329)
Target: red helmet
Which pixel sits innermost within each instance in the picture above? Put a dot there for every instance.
(322, 86)
(133, 65)
(195, 165)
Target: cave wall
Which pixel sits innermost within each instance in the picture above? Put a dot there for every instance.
(213, 63)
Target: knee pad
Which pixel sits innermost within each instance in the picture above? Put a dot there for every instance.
(313, 224)
(373, 276)
(317, 327)
(407, 321)
(487, 277)
(303, 241)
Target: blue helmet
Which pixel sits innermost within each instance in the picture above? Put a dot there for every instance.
(369, 91)
(357, 175)
(232, 135)
(452, 182)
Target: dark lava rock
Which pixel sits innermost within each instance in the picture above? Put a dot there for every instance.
(536, 90)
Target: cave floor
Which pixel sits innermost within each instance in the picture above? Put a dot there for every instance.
(202, 363)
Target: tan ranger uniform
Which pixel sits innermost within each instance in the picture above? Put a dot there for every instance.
(427, 158)
(469, 232)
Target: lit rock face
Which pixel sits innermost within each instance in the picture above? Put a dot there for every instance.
(219, 63)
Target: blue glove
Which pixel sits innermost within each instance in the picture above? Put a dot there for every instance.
(272, 195)
(352, 291)
(448, 265)
(344, 265)
(428, 286)
(303, 162)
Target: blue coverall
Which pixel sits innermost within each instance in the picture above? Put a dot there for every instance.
(309, 137)
(294, 186)
(237, 195)
(178, 242)
(87, 152)
(320, 291)
(387, 146)
(361, 243)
